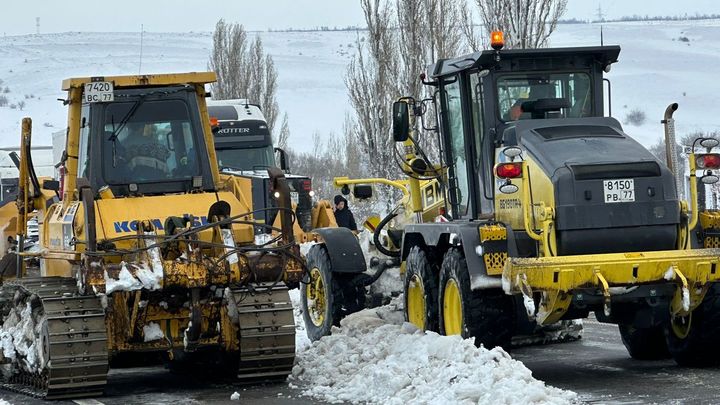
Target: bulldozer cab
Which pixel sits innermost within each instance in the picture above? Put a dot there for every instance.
(483, 96)
(148, 141)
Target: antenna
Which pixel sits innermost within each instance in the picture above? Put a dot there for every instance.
(37, 25)
(142, 31)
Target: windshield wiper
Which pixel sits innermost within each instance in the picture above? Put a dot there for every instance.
(121, 125)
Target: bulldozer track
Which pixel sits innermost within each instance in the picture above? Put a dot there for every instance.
(266, 331)
(76, 344)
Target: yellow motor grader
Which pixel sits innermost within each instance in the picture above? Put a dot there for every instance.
(145, 247)
(554, 212)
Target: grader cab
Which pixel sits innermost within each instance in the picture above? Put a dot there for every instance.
(150, 248)
(555, 212)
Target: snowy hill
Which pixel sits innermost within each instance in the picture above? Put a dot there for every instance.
(656, 67)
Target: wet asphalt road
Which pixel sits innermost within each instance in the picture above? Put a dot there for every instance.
(597, 367)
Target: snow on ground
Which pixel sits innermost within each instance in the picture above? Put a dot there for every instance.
(375, 357)
(656, 68)
(302, 341)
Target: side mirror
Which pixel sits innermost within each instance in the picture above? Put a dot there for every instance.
(282, 160)
(401, 121)
(362, 191)
(52, 185)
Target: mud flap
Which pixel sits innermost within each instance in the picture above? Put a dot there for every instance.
(344, 250)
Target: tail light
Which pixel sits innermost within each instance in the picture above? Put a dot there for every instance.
(509, 170)
(307, 185)
(708, 161)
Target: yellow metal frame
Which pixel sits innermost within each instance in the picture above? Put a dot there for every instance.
(143, 80)
(691, 270)
(555, 277)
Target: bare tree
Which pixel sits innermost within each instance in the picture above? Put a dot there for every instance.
(526, 23)
(474, 38)
(403, 38)
(243, 69)
(372, 86)
(444, 27)
(284, 134)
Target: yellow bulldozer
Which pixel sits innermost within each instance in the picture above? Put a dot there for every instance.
(145, 247)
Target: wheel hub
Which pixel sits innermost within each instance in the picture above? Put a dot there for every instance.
(452, 309)
(316, 299)
(416, 306)
(681, 325)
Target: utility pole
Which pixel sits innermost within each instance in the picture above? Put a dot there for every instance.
(600, 15)
(37, 25)
(142, 31)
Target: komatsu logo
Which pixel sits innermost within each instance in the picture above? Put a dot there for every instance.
(132, 226)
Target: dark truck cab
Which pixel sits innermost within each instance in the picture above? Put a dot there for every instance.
(244, 148)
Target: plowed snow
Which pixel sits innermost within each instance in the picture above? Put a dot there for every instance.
(375, 357)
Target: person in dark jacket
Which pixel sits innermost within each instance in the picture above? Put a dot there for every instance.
(343, 215)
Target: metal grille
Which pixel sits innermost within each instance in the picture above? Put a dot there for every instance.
(712, 242)
(495, 262)
(492, 232)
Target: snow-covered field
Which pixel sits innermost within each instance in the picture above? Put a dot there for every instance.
(655, 69)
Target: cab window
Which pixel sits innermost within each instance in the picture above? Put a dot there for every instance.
(150, 142)
(517, 93)
(460, 187)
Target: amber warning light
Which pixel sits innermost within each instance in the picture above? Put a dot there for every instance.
(497, 40)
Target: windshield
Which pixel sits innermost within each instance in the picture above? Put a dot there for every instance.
(157, 143)
(574, 89)
(246, 158)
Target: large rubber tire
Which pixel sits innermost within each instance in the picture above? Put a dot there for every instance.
(645, 343)
(486, 315)
(421, 290)
(341, 296)
(700, 347)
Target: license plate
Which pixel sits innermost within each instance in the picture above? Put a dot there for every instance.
(294, 197)
(619, 190)
(99, 92)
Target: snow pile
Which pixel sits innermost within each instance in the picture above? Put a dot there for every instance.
(376, 358)
(389, 284)
(146, 276)
(234, 397)
(152, 332)
(301, 339)
(18, 342)
(305, 247)
(563, 331)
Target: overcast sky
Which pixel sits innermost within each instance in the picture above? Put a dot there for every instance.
(18, 16)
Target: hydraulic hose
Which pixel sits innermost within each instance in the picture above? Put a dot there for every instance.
(376, 236)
